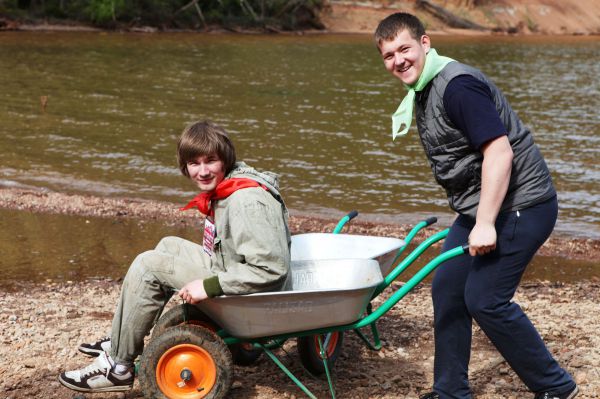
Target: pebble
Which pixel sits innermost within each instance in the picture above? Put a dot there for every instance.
(30, 364)
(581, 378)
(578, 361)
(402, 372)
(402, 352)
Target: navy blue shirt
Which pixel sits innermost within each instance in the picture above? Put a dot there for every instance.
(470, 107)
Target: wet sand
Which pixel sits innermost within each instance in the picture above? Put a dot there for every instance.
(94, 206)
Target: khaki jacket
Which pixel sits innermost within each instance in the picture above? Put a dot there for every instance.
(252, 242)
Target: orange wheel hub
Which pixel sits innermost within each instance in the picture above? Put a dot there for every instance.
(181, 357)
(330, 348)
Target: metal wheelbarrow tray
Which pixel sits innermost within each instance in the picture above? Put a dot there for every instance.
(320, 246)
(320, 293)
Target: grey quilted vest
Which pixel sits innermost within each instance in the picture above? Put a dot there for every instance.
(457, 166)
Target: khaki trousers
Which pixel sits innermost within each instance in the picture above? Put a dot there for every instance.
(150, 282)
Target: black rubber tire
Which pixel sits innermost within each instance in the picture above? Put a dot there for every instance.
(176, 316)
(186, 334)
(308, 350)
(241, 354)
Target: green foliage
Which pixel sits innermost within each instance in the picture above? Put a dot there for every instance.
(103, 11)
(278, 14)
(7, 5)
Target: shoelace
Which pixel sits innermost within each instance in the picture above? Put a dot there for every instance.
(95, 368)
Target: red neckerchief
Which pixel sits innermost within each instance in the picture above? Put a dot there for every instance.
(223, 190)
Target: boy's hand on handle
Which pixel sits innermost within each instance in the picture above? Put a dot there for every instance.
(482, 239)
(193, 292)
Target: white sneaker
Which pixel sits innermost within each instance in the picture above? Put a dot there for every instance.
(551, 395)
(97, 377)
(96, 348)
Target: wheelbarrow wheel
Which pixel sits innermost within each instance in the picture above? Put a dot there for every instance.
(242, 354)
(186, 362)
(310, 353)
(177, 316)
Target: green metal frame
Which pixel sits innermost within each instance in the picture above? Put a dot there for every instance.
(397, 271)
(370, 318)
(412, 234)
(343, 221)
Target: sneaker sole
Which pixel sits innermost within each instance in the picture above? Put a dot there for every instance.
(574, 393)
(115, 388)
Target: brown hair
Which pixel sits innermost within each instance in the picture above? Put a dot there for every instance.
(204, 138)
(393, 24)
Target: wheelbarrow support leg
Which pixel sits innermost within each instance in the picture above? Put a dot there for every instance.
(324, 358)
(376, 344)
(288, 372)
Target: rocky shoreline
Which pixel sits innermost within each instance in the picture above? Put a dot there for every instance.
(42, 324)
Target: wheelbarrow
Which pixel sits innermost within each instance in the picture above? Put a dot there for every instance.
(194, 359)
(320, 246)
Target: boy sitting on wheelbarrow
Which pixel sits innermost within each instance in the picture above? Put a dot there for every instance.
(246, 249)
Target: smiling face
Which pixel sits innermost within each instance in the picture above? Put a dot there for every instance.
(207, 171)
(404, 56)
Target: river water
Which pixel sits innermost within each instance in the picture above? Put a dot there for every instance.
(315, 109)
(48, 247)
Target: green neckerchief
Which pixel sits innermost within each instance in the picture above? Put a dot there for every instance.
(402, 118)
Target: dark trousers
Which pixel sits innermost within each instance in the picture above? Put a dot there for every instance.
(481, 288)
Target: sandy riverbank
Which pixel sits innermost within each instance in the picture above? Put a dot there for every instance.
(520, 17)
(515, 17)
(43, 324)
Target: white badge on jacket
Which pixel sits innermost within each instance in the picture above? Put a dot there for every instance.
(209, 236)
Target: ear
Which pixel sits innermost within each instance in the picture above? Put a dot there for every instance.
(425, 43)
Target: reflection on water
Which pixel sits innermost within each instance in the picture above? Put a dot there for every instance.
(36, 247)
(313, 108)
